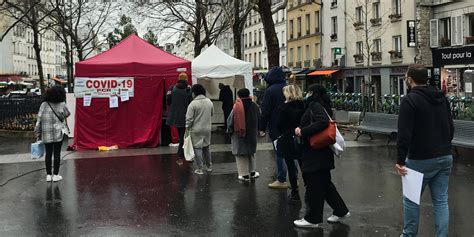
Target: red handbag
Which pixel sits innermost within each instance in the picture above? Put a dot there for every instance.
(324, 138)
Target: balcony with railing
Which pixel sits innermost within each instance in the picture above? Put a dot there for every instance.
(396, 56)
(376, 56)
(307, 63)
(376, 21)
(394, 17)
(333, 37)
(359, 58)
(358, 25)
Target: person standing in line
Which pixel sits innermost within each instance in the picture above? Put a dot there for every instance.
(198, 126)
(227, 98)
(272, 100)
(178, 99)
(244, 124)
(318, 163)
(425, 132)
(290, 116)
(51, 128)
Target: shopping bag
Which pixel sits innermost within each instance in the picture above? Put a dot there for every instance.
(188, 148)
(37, 150)
(340, 144)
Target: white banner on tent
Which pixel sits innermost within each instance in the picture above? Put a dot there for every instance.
(103, 87)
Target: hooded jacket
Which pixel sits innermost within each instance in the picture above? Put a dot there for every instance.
(178, 100)
(272, 100)
(425, 125)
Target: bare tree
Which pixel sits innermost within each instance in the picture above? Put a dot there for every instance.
(4, 6)
(237, 13)
(202, 20)
(35, 15)
(264, 8)
(369, 28)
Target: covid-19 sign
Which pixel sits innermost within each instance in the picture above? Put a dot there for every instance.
(102, 87)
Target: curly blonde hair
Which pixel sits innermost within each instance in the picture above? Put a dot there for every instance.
(292, 93)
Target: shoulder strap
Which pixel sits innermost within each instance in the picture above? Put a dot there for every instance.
(61, 120)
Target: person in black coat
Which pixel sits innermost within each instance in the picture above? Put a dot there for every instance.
(318, 163)
(227, 98)
(290, 116)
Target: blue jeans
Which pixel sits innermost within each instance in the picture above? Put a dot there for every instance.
(281, 166)
(436, 174)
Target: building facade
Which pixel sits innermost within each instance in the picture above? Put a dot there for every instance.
(304, 34)
(384, 24)
(6, 54)
(333, 40)
(255, 50)
(452, 42)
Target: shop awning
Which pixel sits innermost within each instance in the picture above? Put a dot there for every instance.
(322, 73)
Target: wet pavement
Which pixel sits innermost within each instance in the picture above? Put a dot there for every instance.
(149, 195)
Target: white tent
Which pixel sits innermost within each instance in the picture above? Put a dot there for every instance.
(215, 64)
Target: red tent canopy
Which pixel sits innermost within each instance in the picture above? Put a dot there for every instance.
(137, 122)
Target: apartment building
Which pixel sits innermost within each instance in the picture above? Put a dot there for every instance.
(304, 34)
(6, 61)
(334, 34)
(255, 50)
(451, 37)
(390, 26)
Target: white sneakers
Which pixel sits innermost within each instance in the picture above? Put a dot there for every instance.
(173, 144)
(336, 219)
(209, 169)
(305, 224)
(54, 178)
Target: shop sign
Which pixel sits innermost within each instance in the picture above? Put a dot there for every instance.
(453, 56)
(411, 33)
(103, 87)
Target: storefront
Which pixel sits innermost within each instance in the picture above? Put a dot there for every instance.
(397, 84)
(449, 66)
(354, 80)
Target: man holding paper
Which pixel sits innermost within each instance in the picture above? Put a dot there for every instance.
(425, 131)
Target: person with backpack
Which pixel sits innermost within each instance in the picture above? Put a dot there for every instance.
(51, 128)
(178, 99)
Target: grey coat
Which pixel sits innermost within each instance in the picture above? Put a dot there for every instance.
(48, 127)
(199, 121)
(245, 145)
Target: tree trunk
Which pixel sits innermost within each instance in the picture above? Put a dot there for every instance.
(237, 30)
(37, 46)
(197, 29)
(271, 38)
(68, 64)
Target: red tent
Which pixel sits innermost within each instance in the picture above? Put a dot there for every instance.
(137, 122)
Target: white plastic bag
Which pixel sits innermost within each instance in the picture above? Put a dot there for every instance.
(37, 150)
(340, 144)
(188, 148)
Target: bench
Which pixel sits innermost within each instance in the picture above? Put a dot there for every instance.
(378, 123)
(463, 134)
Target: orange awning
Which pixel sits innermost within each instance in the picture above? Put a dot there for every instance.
(322, 73)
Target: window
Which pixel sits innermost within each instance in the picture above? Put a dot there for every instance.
(308, 24)
(377, 45)
(334, 28)
(299, 26)
(282, 41)
(334, 3)
(254, 37)
(291, 29)
(260, 37)
(250, 39)
(434, 33)
(245, 40)
(457, 30)
(292, 55)
(444, 31)
(317, 50)
(316, 22)
(254, 59)
(300, 56)
(259, 59)
(397, 7)
(359, 14)
(470, 29)
(359, 47)
(308, 52)
(376, 10)
(397, 43)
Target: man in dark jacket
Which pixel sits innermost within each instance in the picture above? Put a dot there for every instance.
(227, 98)
(178, 99)
(425, 131)
(272, 100)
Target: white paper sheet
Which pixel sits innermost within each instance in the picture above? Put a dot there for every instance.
(411, 183)
(124, 95)
(87, 100)
(113, 101)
